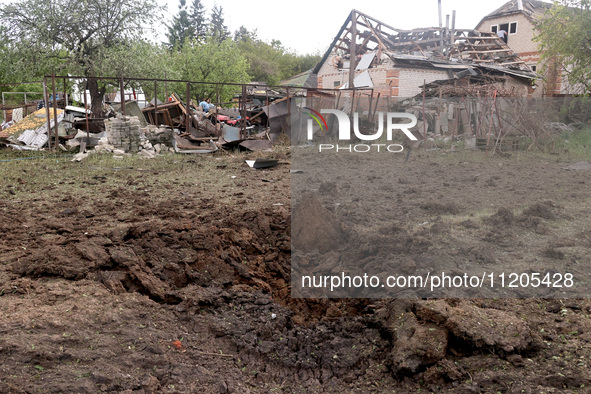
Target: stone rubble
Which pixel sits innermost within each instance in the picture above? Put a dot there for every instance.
(125, 137)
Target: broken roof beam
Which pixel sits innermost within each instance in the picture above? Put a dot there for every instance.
(415, 42)
(511, 63)
(377, 21)
(482, 38)
(374, 33)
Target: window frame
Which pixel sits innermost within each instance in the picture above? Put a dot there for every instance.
(516, 26)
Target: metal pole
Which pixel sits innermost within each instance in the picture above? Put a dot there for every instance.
(352, 49)
(453, 27)
(243, 113)
(370, 103)
(288, 102)
(165, 86)
(121, 87)
(188, 119)
(156, 103)
(492, 112)
(268, 113)
(54, 111)
(46, 100)
(86, 117)
(424, 117)
(65, 93)
(375, 109)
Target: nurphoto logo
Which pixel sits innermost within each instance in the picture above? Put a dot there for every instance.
(390, 125)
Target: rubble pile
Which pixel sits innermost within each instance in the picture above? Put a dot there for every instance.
(159, 136)
(123, 132)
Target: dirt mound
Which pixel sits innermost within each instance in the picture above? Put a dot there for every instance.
(425, 333)
(544, 209)
(504, 217)
(315, 227)
(480, 327)
(439, 208)
(158, 258)
(179, 281)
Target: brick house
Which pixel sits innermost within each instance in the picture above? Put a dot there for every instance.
(517, 18)
(396, 63)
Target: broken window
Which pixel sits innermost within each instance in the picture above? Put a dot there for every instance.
(494, 28)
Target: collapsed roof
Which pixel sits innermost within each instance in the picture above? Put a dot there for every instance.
(436, 47)
(530, 8)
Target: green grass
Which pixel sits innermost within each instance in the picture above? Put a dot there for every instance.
(576, 144)
(35, 174)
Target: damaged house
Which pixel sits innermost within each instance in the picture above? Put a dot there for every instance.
(517, 18)
(397, 63)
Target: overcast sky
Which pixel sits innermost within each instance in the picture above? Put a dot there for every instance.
(308, 26)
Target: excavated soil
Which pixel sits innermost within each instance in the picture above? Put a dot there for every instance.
(176, 279)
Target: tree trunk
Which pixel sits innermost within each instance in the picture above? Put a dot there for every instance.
(96, 96)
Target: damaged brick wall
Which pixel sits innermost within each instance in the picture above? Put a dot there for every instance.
(159, 135)
(123, 132)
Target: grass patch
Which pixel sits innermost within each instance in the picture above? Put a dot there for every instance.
(577, 143)
(43, 174)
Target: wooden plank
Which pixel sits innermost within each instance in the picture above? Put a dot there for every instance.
(481, 38)
(490, 51)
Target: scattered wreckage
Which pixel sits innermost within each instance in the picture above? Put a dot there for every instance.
(172, 126)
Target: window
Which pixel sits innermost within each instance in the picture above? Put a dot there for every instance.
(534, 68)
(504, 27)
(513, 28)
(494, 28)
(337, 84)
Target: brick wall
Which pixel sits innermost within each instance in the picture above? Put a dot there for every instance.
(388, 80)
(411, 80)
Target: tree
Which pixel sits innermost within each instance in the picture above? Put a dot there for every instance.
(243, 34)
(181, 28)
(218, 30)
(84, 36)
(270, 63)
(209, 62)
(197, 18)
(564, 36)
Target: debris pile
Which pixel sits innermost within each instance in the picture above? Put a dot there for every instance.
(30, 133)
(123, 132)
(170, 126)
(159, 135)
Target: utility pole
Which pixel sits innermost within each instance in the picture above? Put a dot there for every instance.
(353, 49)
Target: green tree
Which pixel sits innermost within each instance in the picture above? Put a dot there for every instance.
(271, 63)
(181, 28)
(564, 36)
(218, 30)
(210, 61)
(198, 20)
(84, 37)
(243, 34)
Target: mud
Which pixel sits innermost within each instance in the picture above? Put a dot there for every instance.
(144, 283)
